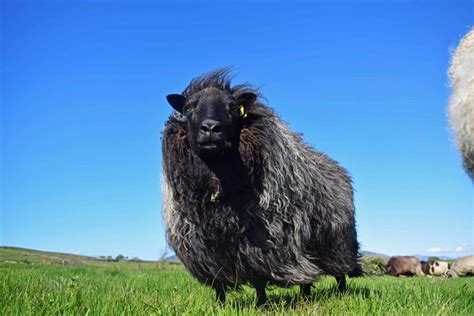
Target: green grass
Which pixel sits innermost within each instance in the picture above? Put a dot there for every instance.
(102, 288)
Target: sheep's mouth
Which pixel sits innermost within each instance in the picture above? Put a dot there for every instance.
(211, 147)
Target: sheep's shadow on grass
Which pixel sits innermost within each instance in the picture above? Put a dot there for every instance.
(290, 300)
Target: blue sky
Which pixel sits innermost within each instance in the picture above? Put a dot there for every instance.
(83, 89)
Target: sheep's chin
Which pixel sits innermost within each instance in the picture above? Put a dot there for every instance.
(210, 150)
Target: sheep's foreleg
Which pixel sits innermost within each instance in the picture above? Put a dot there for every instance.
(341, 283)
(305, 290)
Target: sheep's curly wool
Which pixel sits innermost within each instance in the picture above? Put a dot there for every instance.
(277, 212)
(461, 103)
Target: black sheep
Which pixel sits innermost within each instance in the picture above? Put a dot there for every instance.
(246, 201)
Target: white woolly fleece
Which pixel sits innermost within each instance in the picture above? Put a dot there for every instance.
(461, 103)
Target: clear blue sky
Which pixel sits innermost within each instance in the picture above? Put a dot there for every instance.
(83, 90)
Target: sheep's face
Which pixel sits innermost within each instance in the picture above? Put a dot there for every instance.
(214, 119)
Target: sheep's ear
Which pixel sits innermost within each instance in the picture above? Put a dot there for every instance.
(246, 98)
(177, 101)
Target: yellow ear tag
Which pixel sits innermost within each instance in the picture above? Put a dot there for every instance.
(242, 111)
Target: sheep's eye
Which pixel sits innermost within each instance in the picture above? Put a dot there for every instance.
(187, 109)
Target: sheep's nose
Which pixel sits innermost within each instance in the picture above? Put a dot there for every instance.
(210, 126)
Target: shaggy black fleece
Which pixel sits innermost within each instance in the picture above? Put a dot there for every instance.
(271, 209)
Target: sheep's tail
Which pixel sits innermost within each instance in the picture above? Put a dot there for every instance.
(357, 270)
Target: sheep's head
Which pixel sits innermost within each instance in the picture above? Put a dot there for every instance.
(214, 118)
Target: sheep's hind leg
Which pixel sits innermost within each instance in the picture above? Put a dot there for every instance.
(220, 293)
(305, 290)
(341, 283)
(261, 295)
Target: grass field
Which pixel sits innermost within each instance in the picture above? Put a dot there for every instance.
(38, 283)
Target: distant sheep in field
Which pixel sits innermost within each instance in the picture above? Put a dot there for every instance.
(461, 103)
(462, 267)
(404, 266)
(246, 200)
(439, 268)
(425, 267)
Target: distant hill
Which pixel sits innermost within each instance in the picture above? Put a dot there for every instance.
(366, 253)
(425, 258)
(172, 258)
(24, 255)
(31, 256)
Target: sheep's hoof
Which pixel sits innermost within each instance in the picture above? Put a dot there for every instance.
(261, 302)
